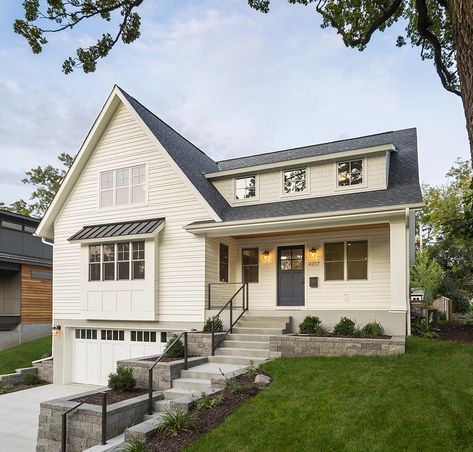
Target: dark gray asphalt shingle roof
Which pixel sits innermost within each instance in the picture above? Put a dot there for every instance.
(403, 186)
(17, 259)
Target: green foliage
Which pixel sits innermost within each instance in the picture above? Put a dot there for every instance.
(122, 380)
(345, 327)
(177, 351)
(136, 444)
(372, 329)
(174, 423)
(426, 274)
(236, 387)
(218, 326)
(423, 329)
(5, 388)
(252, 370)
(309, 324)
(31, 379)
(206, 401)
(20, 207)
(22, 355)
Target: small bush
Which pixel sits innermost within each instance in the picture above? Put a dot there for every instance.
(218, 326)
(122, 380)
(345, 327)
(31, 379)
(423, 329)
(178, 350)
(5, 388)
(252, 370)
(309, 325)
(136, 445)
(241, 388)
(173, 423)
(206, 402)
(372, 329)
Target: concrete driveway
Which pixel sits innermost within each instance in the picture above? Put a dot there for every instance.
(19, 413)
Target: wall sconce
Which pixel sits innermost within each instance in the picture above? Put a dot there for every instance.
(56, 330)
(314, 257)
(265, 255)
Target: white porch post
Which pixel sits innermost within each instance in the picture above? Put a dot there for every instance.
(399, 266)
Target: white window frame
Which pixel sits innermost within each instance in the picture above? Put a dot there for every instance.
(364, 172)
(307, 182)
(130, 187)
(345, 262)
(246, 200)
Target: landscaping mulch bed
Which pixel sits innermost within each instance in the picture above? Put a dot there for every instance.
(456, 332)
(207, 420)
(22, 387)
(112, 396)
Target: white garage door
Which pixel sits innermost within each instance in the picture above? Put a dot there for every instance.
(96, 351)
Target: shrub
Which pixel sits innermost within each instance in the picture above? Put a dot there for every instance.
(177, 351)
(136, 444)
(173, 423)
(252, 370)
(372, 329)
(5, 388)
(31, 379)
(423, 329)
(122, 380)
(345, 327)
(309, 325)
(206, 402)
(218, 326)
(241, 388)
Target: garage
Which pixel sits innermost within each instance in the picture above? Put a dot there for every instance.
(96, 351)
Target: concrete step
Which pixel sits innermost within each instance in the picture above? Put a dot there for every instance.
(267, 331)
(246, 344)
(241, 360)
(267, 323)
(226, 351)
(248, 337)
(191, 383)
(269, 318)
(176, 393)
(161, 406)
(209, 370)
(264, 325)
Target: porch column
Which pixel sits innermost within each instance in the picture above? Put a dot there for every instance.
(399, 266)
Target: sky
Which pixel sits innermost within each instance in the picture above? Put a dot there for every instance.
(231, 80)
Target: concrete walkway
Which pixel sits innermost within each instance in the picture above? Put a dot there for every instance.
(19, 413)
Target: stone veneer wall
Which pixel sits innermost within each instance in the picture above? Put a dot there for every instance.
(291, 346)
(200, 344)
(163, 373)
(84, 425)
(43, 369)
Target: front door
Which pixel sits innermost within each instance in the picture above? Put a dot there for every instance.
(291, 275)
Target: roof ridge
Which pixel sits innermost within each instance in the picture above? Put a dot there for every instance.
(316, 144)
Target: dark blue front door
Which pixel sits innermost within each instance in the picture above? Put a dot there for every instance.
(291, 275)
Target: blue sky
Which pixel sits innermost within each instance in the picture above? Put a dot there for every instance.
(232, 80)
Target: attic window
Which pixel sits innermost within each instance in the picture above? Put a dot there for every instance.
(350, 173)
(245, 187)
(123, 186)
(295, 181)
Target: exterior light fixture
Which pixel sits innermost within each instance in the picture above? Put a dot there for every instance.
(313, 252)
(314, 256)
(56, 330)
(265, 255)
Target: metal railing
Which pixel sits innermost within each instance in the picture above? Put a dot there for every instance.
(219, 293)
(150, 369)
(64, 422)
(223, 322)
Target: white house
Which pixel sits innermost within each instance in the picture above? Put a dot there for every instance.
(145, 224)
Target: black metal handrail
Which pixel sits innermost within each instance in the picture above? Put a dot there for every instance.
(230, 305)
(104, 422)
(150, 369)
(220, 284)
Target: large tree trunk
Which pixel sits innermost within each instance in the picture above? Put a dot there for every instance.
(461, 14)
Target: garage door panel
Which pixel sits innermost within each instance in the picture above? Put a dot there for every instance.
(93, 357)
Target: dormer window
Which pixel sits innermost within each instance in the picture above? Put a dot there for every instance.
(350, 173)
(123, 186)
(295, 180)
(245, 187)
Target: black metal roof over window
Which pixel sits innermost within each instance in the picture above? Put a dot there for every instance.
(122, 229)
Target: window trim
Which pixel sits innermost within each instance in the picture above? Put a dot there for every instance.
(114, 205)
(246, 200)
(307, 182)
(345, 262)
(249, 265)
(364, 183)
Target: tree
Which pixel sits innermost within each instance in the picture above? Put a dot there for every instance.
(46, 181)
(427, 275)
(442, 29)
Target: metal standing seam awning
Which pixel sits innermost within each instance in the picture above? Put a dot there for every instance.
(125, 229)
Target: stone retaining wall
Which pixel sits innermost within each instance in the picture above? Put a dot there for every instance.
(163, 373)
(18, 377)
(45, 370)
(84, 425)
(291, 346)
(200, 344)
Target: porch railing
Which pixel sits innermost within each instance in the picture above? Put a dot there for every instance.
(219, 293)
(150, 369)
(223, 322)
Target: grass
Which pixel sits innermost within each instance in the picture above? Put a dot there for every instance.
(420, 401)
(22, 355)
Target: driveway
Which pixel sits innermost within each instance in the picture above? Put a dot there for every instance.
(19, 413)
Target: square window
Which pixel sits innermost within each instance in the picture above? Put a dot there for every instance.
(350, 173)
(295, 181)
(245, 187)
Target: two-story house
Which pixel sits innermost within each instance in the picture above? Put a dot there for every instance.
(145, 225)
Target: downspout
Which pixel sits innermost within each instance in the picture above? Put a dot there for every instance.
(46, 242)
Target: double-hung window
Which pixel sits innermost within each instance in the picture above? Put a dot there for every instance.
(117, 261)
(123, 186)
(346, 258)
(350, 173)
(249, 259)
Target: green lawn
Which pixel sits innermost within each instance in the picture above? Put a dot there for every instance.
(422, 401)
(22, 355)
